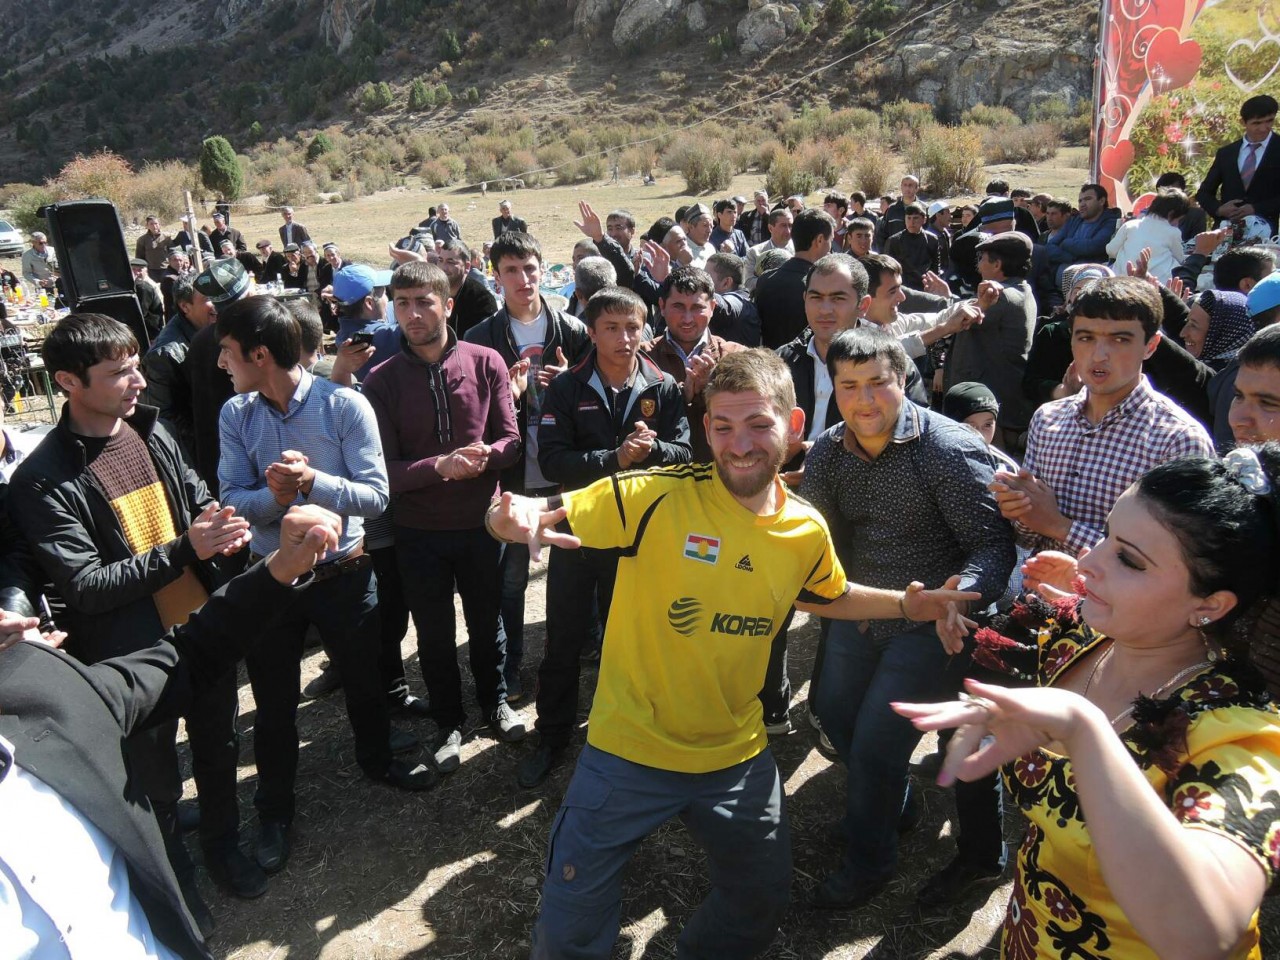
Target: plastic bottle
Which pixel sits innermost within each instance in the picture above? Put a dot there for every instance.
(18, 405)
(44, 299)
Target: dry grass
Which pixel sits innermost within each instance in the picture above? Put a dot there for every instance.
(364, 227)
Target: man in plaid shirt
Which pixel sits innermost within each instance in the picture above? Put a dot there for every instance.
(1083, 451)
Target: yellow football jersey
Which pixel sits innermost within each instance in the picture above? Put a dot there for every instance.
(703, 585)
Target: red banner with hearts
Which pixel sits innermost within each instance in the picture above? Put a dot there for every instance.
(1170, 78)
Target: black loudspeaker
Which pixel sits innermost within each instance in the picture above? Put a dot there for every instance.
(93, 262)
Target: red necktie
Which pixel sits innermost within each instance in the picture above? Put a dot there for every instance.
(1250, 164)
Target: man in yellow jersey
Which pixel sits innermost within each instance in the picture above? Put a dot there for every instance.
(712, 558)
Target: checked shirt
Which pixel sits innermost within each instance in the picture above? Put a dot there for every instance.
(1089, 465)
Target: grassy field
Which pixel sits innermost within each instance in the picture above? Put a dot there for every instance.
(364, 227)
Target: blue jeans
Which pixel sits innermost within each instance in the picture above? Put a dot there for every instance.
(515, 583)
(860, 678)
(612, 804)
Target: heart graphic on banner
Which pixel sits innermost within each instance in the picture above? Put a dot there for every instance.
(1171, 61)
(1251, 63)
(1117, 159)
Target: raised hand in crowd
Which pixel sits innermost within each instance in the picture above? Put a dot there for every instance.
(404, 256)
(516, 519)
(1052, 573)
(518, 375)
(637, 445)
(657, 260)
(351, 356)
(997, 725)
(217, 530)
(698, 370)
(590, 223)
(307, 533)
(552, 370)
(988, 293)
(1209, 241)
(1031, 502)
(936, 285)
(1071, 383)
(1139, 267)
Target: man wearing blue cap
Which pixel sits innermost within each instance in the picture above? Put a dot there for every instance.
(1245, 393)
(366, 335)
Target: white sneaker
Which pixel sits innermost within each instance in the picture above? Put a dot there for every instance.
(448, 750)
(507, 725)
(780, 728)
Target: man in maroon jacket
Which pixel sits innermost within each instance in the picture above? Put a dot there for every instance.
(448, 428)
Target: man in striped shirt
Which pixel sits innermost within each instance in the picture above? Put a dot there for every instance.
(1083, 451)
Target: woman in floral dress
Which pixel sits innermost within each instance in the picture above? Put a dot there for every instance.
(1147, 761)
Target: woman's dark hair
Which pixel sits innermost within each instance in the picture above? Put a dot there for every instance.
(263, 322)
(1229, 537)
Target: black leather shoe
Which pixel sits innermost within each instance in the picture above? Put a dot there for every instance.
(955, 881)
(402, 776)
(198, 908)
(188, 815)
(236, 873)
(272, 851)
(534, 768)
(843, 891)
(411, 706)
(403, 742)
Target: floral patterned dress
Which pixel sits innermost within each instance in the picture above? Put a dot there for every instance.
(1211, 748)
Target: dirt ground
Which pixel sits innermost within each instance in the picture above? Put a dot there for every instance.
(381, 875)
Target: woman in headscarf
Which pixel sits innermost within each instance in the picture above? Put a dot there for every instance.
(1217, 326)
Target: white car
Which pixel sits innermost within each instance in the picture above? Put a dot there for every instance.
(12, 242)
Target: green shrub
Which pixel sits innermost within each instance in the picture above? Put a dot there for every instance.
(482, 166)
(444, 96)
(158, 188)
(1022, 144)
(421, 97)
(788, 176)
(947, 160)
(983, 115)
(583, 170)
(706, 164)
(24, 208)
(320, 145)
(1074, 125)
(219, 169)
(903, 120)
(822, 161)
(450, 47)
(376, 96)
(287, 186)
(520, 164)
(553, 155)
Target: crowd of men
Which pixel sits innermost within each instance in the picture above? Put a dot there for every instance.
(971, 384)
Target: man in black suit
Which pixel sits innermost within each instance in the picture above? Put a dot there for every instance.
(1245, 176)
(63, 769)
(779, 296)
(505, 222)
(222, 232)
